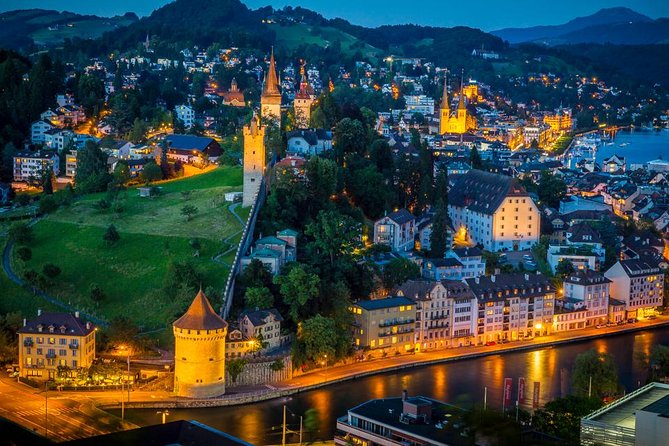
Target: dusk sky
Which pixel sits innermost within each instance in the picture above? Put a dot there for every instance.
(484, 14)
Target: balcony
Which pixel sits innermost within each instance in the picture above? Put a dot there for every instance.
(51, 355)
(394, 322)
(74, 346)
(387, 334)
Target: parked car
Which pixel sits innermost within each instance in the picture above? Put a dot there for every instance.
(530, 265)
(528, 257)
(503, 259)
(490, 343)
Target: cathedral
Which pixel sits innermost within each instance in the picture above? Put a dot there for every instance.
(270, 99)
(459, 121)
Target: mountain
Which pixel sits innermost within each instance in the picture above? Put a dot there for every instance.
(602, 18)
(41, 26)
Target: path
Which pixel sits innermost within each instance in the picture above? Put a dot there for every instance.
(218, 257)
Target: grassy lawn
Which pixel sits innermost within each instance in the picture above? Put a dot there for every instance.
(292, 36)
(153, 234)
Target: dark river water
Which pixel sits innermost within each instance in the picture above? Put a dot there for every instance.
(461, 383)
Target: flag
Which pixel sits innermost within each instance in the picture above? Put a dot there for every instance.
(508, 384)
(535, 396)
(521, 390)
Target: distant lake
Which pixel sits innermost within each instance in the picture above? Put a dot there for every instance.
(637, 146)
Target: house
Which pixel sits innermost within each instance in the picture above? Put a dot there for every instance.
(263, 325)
(38, 130)
(473, 263)
(442, 269)
(433, 311)
(29, 165)
(238, 346)
(396, 230)
(583, 247)
(117, 148)
(185, 114)
(233, 97)
(592, 289)
(273, 252)
(513, 306)
(494, 211)
(190, 149)
(54, 340)
(309, 142)
(639, 283)
(614, 164)
(384, 323)
(570, 314)
(57, 139)
(71, 164)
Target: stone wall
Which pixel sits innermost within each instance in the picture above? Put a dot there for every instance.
(259, 372)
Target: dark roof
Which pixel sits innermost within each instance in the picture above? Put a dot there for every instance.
(257, 317)
(311, 136)
(414, 289)
(174, 433)
(62, 323)
(200, 316)
(586, 277)
(401, 216)
(527, 285)
(457, 289)
(660, 407)
(468, 252)
(584, 233)
(639, 267)
(188, 142)
(483, 192)
(387, 302)
(448, 262)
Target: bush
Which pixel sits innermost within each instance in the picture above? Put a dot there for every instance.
(111, 236)
(23, 199)
(21, 233)
(96, 292)
(51, 271)
(47, 204)
(24, 253)
(102, 204)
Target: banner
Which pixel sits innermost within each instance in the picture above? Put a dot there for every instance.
(535, 396)
(508, 384)
(521, 390)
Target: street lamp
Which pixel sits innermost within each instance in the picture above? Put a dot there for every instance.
(164, 413)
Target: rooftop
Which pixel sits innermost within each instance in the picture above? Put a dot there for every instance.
(622, 413)
(388, 302)
(63, 323)
(483, 192)
(200, 316)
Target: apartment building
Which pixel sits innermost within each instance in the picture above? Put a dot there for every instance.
(639, 283)
(384, 323)
(396, 230)
(28, 165)
(592, 288)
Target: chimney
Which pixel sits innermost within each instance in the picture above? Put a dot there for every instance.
(527, 277)
(405, 395)
(24, 322)
(476, 280)
(76, 314)
(492, 278)
(88, 325)
(39, 311)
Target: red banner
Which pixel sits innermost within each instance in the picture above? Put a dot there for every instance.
(508, 384)
(521, 390)
(535, 395)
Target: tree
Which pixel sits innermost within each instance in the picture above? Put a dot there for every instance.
(475, 159)
(189, 211)
(398, 271)
(312, 421)
(368, 191)
(596, 373)
(51, 271)
(564, 268)
(552, 189)
(315, 335)
(258, 297)
(277, 365)
(562, 417)
(47, 204)
(439, 235)
(235, 367)
(297, 287)
(256, 274)
(21, 233)
(111, 236)
(334, 234)
(92, 174)
(96, 293)
(349, 137)
(151, 172)
(121, 331)
(24, 253)
(121, 173)
(321, 176)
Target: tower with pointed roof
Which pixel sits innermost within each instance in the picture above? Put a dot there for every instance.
(270, 99)
(445, 109)
(459, 121)
(304, 98)
(199, 351)
(254, 159)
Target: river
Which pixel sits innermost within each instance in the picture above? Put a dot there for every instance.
(637, 146)
(460, 383)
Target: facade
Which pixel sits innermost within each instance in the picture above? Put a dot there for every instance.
(494, 211)
(583, 247)
(541, 134)
(274, 252)
(254, 160)
(304, 98)
(513, 306)
(189, 149)
(186, 114)
(384, 323)
(591, 288)
(460, 121)
(71, 164)
(270, 99)
(28, 165)
(433, 312)
(396, 230)
(309, 142)
(262, 324)
(54, 341)
(238, 346)
(419, 103)
(58, 139)
(414, 421)
(234, 97)
(614, 164)
(639, 284)
(38, 130)
(561, 121)
(199, 351)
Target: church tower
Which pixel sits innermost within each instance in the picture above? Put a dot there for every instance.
(199, 351)
(270, 100)
(303, 100)
(254, 159)
(445, 109)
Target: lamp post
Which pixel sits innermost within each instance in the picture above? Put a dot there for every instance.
(164, 413)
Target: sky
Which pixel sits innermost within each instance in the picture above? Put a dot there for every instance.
(484, 14)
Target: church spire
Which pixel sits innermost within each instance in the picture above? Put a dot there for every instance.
(271, 81)
(461, 102)
(444, 98)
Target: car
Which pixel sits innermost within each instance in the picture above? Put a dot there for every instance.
(490, 343)
(528, 257)
(530, 265)
(600, 326)
(14, 374)
(504, 341)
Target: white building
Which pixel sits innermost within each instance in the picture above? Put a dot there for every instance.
(262, 324)
(494, 211)
(396, 230)
(29, 165)
(591, 288)
(583, 247)
(186, 114)
(419, 104)
(309, 142)
(57, 139)
(639, 284)
(38, 130)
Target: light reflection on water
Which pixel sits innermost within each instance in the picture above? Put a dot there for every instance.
(460, 383)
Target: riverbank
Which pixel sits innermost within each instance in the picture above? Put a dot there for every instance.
(338, 374)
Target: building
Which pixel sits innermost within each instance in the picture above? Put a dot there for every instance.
(540, 135)
(433, 311)
(640, 418)
(459, 121)
(304, 98)
(238, 346)
(263, 326)
(416, 421)
(494, 211)
(273, 252)
(270, 99)
(38, 130)
(71, 164)
(190, 149)
(614, 164)
(384, 323)
(58, 139)
(309, 142)
(591, 288)
(199, 351)
(396, 230)
(419, 103)
(570, 314)
(639, 283)
(560, 121)
(54, 341)
(254, 160)
(31, 165)
(583, 247)
(473, 263)
(185, 114)
(233, 97)
(512, 306)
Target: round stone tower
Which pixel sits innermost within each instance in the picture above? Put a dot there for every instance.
(199, 351)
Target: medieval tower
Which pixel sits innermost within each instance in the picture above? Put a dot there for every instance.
(270, 99)
(199, 351)
(304, 98)
(254, 159)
